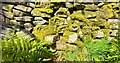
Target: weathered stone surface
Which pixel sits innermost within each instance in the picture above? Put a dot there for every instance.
(113, 20)
(114, 26)
(89, 14)
(78, 15)
(27, 18)
(68, 5)
(27, 25)
(91, 7)
(61, 45)
(39, 22)
(41, 12)
(8, 7)
(114, 33)
(101, 4)
(21, 7)
(28, 9)
(110, 38)
(38, 18)
(9, 14)
(13, 22)
(17, 12)
(72, 38)
(31, 5)
(18, 18)
(62, 12)
(99, 34)
(51, 38)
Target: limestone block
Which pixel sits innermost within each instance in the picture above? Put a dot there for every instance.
(38, 18)
(16, 12)
(114, 33)
(100, 34)
(9, 14)
(27, 18)
(40, 22)
(8, 7)
(51, 39)
(21, 7)
(18, 18)
(72, 38)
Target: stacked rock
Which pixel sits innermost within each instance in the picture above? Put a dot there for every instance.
(68, 23)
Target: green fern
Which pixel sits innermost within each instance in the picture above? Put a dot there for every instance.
(20, 48)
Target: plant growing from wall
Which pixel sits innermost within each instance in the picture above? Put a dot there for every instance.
(20, 48)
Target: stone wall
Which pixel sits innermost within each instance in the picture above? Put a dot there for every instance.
(73, 21)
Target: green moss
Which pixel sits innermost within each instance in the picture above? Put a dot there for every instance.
(78, 15)
(91, 7)
(106, 32)
(38, 11)
(66, 35)
(56, 21)
(60, 28)
(107, 6)
(89, 14)
(86, 37)
(40, 31)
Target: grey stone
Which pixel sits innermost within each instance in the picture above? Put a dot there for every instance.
(69, 5)
(28, 9)
(62, 12)
(113, 20)
(51, 38)
(61, 45)
(39, 22)
(18, 18)
(28, 29)
(110, 38)
(9, 14)
(8, 7)
(114, 26)
(100, 34)
(27, 25)
(20, 23)
(27, 18)
(72, 38)
(21, 7)
(16, 12)
(13, 22)
(32, 5)
(114, 33)
(38, 18)
(101, 4)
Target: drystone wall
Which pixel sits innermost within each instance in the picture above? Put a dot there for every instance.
(60, 22)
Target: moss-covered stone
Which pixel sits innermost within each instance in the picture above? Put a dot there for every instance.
(56, 21)
(40, 31)
(91, 7)
(89, 14)
(78, 15)
(62, 12)
(39, 11)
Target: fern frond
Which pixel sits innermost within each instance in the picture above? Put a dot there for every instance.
(20, 48)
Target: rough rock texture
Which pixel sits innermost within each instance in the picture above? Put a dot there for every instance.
(72, 22)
